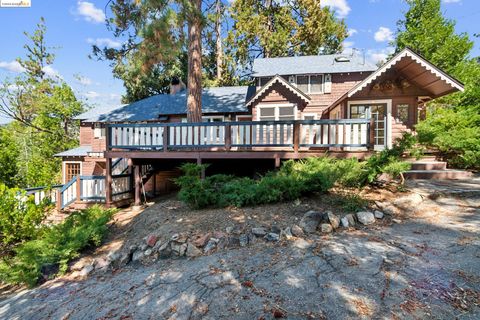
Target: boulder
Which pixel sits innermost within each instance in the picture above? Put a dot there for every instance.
(148, 252)
(297, 231)
(113, 256)
(212, 243)
(310, 221)
(152, 240)
(365, 217)
(229, 230)
(351, 220)
(124, 259)
(271, 236)
(259, 232)
(333, 219)
(86, 270)
(143, 246)
(286, 233)
(243, 239)
(192, 251)
(165, 251)
(275, 229)
(179, 248)
(326, 228)
(344, 222)
(102, 263)
(137, 255)
(233, 242)
(202, 241)
(378, 214)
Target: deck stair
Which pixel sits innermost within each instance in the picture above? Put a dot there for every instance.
(430, 168)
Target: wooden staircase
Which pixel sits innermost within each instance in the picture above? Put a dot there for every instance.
(430, 168)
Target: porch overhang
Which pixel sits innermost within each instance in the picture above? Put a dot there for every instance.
(417, 70)
(414, 69)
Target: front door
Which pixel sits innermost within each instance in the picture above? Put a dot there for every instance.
(376, 111)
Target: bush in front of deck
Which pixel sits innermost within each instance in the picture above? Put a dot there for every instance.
(294, 179)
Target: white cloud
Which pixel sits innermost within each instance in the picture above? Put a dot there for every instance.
(379, 55)
(348, 44)
(89, 12)
(91, 94)
(352, 31)
(12, 66)
(84, 80)
(104, 42)
(51, 72)
(451, 1)
(383, 34)
(340, 6)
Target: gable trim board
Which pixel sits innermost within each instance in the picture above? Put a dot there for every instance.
(283, 82)
(417, 58)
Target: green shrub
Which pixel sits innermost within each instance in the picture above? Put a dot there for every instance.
(19, 217)
(294, 179)
(396, 168)
(456, 133)
(55, 245)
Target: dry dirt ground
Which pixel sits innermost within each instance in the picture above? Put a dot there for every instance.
(421, 261)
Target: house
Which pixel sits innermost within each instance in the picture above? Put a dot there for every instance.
(299, 107)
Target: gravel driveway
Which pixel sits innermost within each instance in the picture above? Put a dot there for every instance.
(424, 266)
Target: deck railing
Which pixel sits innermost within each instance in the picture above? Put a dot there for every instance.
(250, 134)
(42, 193)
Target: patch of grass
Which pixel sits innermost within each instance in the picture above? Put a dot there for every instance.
(55, 245)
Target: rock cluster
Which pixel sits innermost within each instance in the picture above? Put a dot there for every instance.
(184, 245)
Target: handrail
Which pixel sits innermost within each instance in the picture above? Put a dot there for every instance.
(323, 133)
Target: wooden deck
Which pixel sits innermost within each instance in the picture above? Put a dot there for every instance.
(239, 140)
(142, 143)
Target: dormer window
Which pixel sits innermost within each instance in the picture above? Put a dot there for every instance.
(310, 83)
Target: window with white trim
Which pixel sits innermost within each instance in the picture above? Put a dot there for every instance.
(98, 131)
(310, 83)
(272, 113)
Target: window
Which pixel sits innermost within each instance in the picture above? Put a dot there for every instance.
(310, 84)
(263, 81)
(309, 116)
(302, 83)
(98, 131)
(285, 112)
(213, 119)
(72, 169)
(402, 112)
(316, 83)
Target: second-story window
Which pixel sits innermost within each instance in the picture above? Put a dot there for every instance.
(310, 83)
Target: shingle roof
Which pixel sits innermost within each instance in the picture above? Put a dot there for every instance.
(266, 67)
(81, 151)
(97, 111)
(214, 100)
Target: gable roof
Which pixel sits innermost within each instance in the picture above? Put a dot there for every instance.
(280, 80)
(407, 53)
(331, 63)
(214, 100)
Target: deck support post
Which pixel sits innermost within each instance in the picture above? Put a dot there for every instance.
(132, 178)
(59, 200)
(108, 182)
(277, 162)
(138, 185)
(296, 136)
(202, 174)
(228, 137)
(166, 130)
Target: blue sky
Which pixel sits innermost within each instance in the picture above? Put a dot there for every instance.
(74, 25)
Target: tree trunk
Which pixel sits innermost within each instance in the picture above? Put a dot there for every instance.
(268, 6)
(194, 98)
(218, 31)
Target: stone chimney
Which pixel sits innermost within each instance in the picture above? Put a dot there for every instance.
(176, 85)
